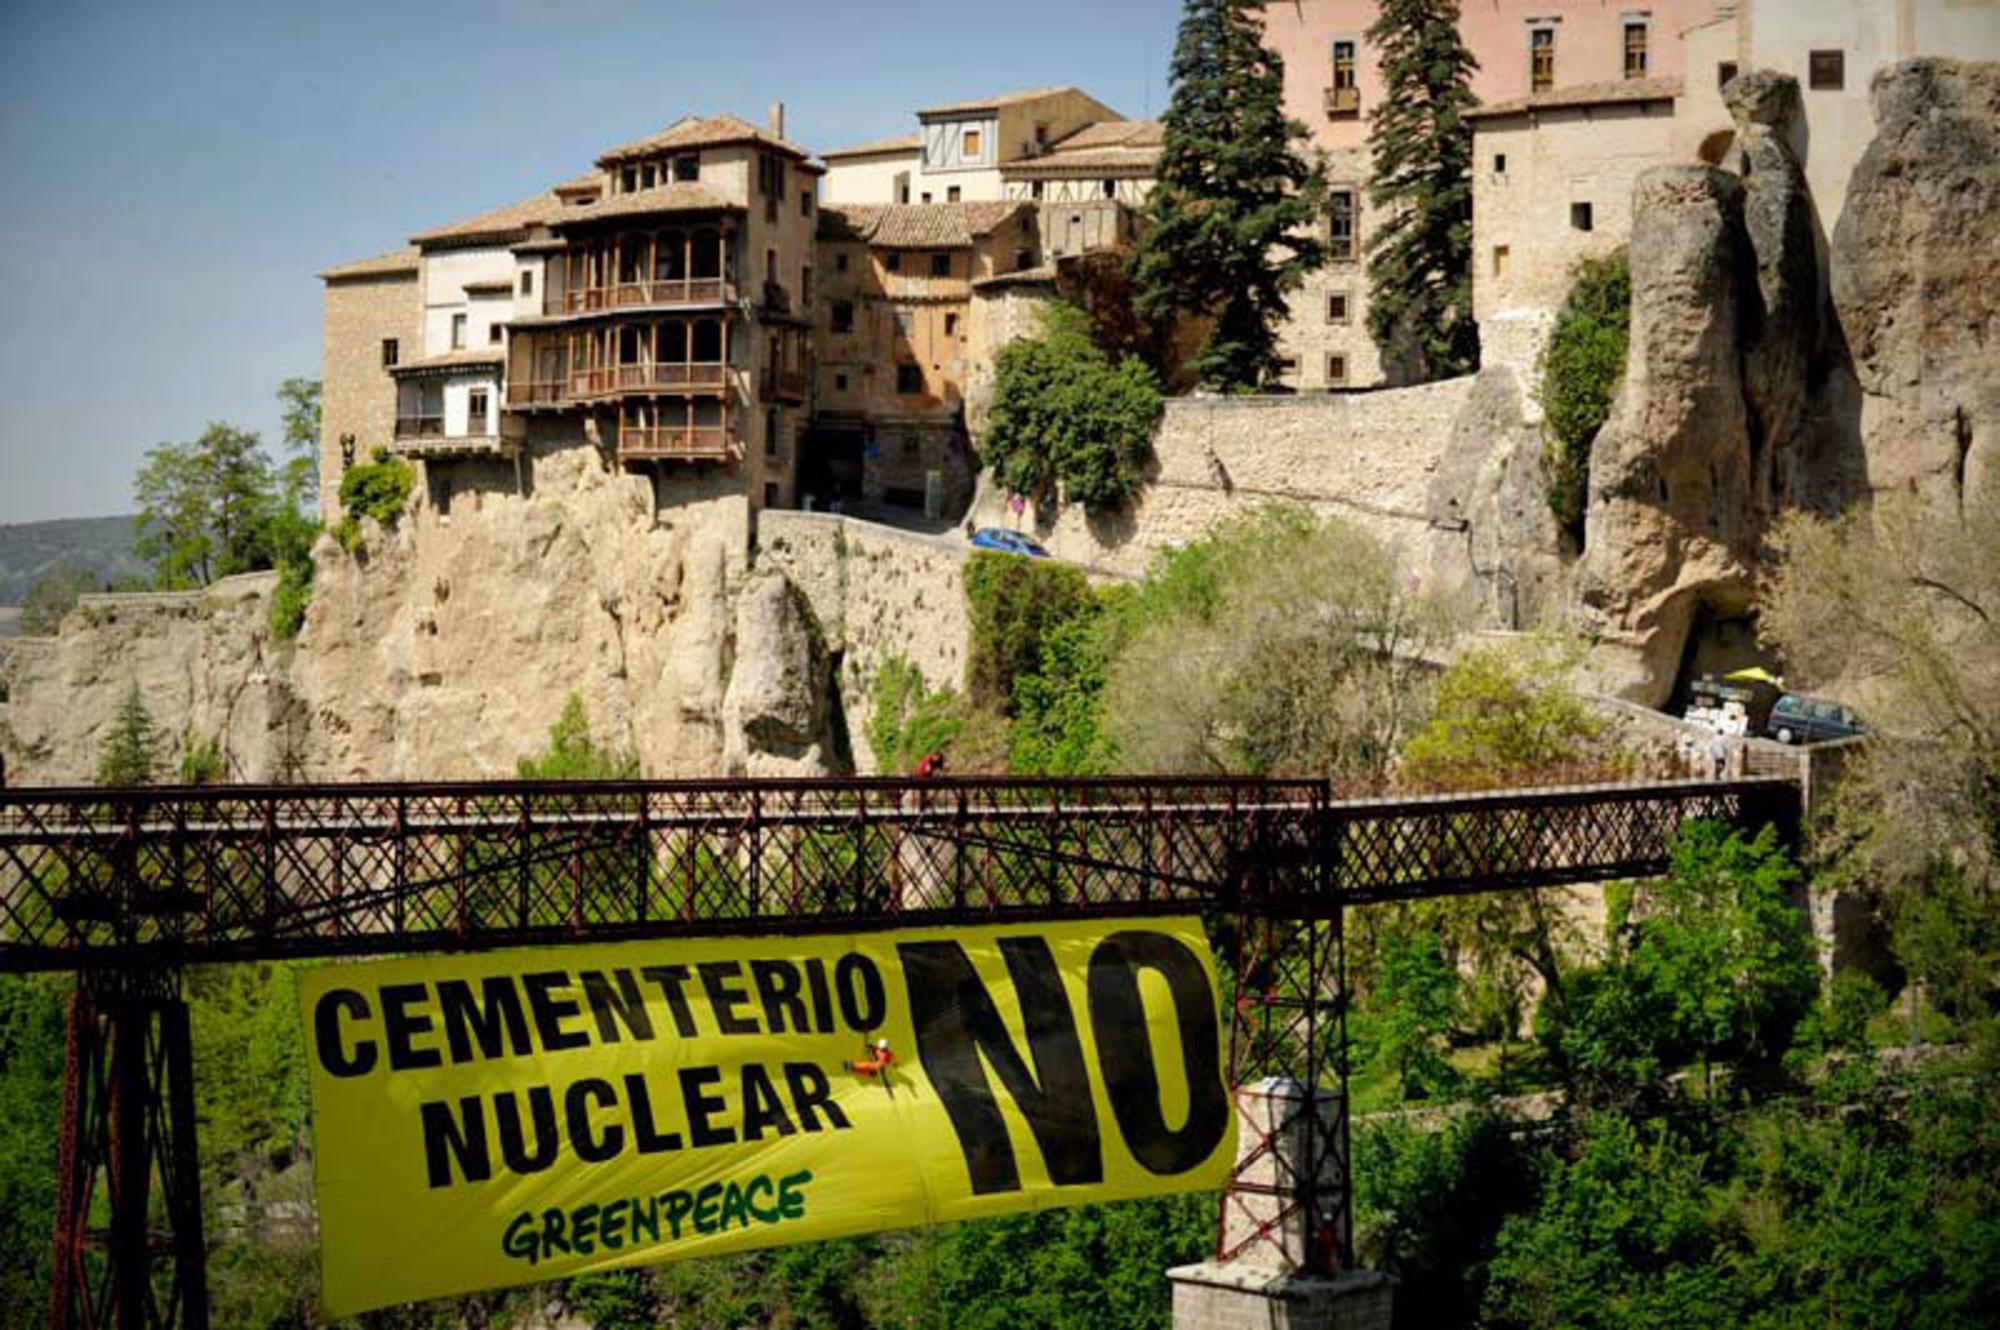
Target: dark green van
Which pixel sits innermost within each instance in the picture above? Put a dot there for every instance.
(1811, 720)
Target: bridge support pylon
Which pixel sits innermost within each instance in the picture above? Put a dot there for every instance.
(129, 1253)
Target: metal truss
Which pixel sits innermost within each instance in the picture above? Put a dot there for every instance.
(124, 887)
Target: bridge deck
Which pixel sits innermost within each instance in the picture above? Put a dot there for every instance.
(90, 877)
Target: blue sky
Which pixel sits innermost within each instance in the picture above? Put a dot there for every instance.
(175, 173)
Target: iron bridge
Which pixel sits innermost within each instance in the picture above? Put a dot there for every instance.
(124, 888)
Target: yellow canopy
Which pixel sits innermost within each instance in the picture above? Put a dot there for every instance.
(1755, 674)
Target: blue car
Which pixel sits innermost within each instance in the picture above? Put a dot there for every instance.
(1007, 542)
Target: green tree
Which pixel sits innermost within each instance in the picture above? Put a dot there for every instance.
(910, 720)
(1230, 222)
(52, 597)
(131, 754)
(1014, 604)
(1068, 422)
(202, 762)
(1420, 258)
(31, 1081)
(1581, 369)
(1407, 1018)
(205, 508)
(1502, 718)
(378, 488)
(299, 401)
(572, 754)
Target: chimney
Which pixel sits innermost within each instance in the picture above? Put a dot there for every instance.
(774, 123)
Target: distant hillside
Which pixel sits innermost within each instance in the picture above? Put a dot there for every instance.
(30, 550)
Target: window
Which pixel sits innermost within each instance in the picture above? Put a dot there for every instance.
(628, 180)
(903, 187)
(770, 265)
(648, 176)
(1724, 72)
(953, 195)
(843, 316)
(687, 167)
(909, 380)
(493, 334)
(1336, 371)
(770, 494)
(1287, 367)
(458, 332)
(1500, 256)
(770, 433)
(970, 145)
(1337, 307)
(927, 196)
(1499, 163)
(1346, 96)
(893, 260)
(951, 325)
(1110, 188)
(1035, 189)
(840, 263)
(1635, 50)
(940, 265)
(391, 349)
(1341, 237)
(840, 383)
(527, 281)
(806, 285)
(1580, 217)
(1541, 59)
(475, 412)
(1826, 71)
(805, 203)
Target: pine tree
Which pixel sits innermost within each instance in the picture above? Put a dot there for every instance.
(1230, 222)
(1420, 260)
(131, 752)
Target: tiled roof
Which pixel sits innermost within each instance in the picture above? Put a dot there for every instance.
(510, 222)
(469, 358)
(700, 132)
(1115, 147)
(681, 196)
(1617, 92)
(918, 225)
(382, 265)
(901, 143)
(1040, 276)
(581, 184)
(993, 103)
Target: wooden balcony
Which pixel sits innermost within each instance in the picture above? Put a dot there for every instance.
(674, 443)
(438, 447)
(1342, 103)
(782, 385)
(676, 377)
(554, 392)
(419, 427)
(666, 294)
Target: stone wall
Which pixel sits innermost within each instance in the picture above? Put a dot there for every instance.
(202, 661)
(876, 593)
(359, 396)
(1366, 457)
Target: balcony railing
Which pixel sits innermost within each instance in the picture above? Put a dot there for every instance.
(689, 443)
(784, 385)
(554, 392)
(639, 378)
(419, 427)
(641, 295)
(1343, 101)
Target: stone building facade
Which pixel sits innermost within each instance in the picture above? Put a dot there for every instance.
(373, 316)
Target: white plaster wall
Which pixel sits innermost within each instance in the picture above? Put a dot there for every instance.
(868, 179)
(445, 274)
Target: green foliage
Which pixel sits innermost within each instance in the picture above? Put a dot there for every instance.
(1229, 223)
(1014, 604)
(1420, 145)
(1058, 709)
(910, 721)
(1581, 369)
(205, 508)
(53, 597)
(291, 598)
(31, 1078)
(572, 754)
(131, 754)
(1288, 643)
(1068, 421)
(299, 401)
(1502, 718)
(378, 488)
(201, 761)
(1408, 1015)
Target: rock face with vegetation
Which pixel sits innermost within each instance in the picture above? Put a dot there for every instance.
(776, 707)
(1671, 523)
(1915, 268)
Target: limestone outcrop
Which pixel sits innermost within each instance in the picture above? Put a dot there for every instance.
(1672, 523)
(1916, 281)
(775, 709)
(203, 662)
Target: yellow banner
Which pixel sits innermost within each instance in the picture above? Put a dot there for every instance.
(488, 1120)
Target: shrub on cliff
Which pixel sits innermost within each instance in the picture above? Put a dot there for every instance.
(1067, 420)
(1014, 604)
(1581, 370)
(131, 753)
(53, 597)
(378, 488)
